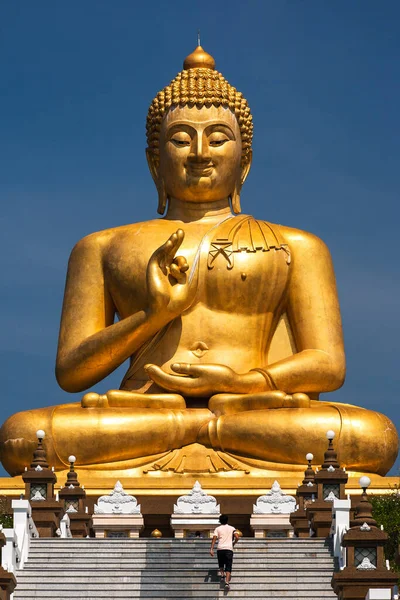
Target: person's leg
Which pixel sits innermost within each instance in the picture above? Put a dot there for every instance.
(228, 566)
(221, 563)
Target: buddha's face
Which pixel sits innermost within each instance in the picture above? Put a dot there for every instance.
(200, 153)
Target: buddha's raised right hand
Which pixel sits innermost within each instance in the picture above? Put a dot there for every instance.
(171, 290)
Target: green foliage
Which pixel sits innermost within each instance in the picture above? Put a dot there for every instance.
(6, 520)
(386, 512)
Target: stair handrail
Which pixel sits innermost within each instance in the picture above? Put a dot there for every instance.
(340, 524)
(65, 529)
(10, 554)
(19, 537)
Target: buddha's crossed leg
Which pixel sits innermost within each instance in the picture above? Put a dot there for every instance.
(282, 429)
(269, 427)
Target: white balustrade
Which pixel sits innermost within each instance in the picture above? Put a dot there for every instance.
(340, 524)
(15, 553)
(10, 554)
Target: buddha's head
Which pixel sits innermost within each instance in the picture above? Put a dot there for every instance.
(199, 134)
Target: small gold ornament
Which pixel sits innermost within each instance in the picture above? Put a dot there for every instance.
(156, 533)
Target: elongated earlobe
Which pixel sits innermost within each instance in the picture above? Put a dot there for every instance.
(235, 196)
(235, 200)
(162, 197)
(154, 164)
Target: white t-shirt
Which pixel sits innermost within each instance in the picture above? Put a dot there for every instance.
(224, 534)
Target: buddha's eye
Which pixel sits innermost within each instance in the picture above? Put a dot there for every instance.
(217, 139)
(181, 139)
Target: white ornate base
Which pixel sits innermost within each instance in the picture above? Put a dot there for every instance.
(271, 526)
(107, 525)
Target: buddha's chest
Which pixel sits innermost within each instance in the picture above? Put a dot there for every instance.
(243, 268)
(244, 282)
(247, 283)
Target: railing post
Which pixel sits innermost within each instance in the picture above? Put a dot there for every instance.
(341, 523)
(24, 528)
(10, 555)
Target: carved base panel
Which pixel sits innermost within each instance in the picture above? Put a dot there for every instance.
(128, 525)
(271, 526)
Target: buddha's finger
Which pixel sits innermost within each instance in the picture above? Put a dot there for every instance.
(188, 369)
(168, 381)
(176, 240)
(175, 272)
(181, 263)
(164, 255)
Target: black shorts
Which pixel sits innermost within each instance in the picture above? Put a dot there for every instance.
(225, 558)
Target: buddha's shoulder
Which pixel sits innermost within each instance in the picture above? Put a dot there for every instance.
(298, 239)
(107, 238)
(299, 236)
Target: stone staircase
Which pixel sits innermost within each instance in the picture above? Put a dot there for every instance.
(171, 568)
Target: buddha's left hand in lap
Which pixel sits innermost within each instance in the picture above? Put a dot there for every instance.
(206, 379)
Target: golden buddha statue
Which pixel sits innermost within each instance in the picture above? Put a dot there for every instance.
(232, 324)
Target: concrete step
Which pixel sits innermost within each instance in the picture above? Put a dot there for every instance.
(115, 556)
(147, 579)
(212, 594)
(105, 546)
(305, 564)
(181, 542)
(176, 550)
(121, 542)
(108, 574)
(172, 591)
(171, 569)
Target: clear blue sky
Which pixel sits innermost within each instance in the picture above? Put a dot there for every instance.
(76, 79)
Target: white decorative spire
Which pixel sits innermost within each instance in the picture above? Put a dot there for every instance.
(197, 501)
(117, 503)
(274, 502)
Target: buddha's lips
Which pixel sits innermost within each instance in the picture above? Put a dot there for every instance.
(200, 170)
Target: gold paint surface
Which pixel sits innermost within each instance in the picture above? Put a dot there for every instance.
(231, 324)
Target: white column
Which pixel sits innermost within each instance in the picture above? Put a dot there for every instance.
(341, 523)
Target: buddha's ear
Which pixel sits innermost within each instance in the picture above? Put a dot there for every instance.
(246, 167)
(154, 163)
(235, 196)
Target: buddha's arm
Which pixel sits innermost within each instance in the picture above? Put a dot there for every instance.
(314, 315)
(91, 345)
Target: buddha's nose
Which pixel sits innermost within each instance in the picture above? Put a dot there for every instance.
(200, 150)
